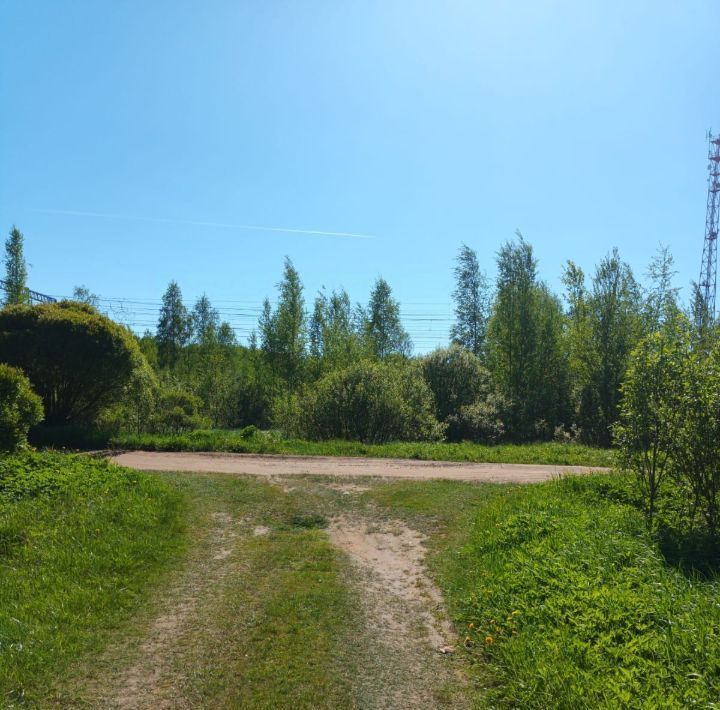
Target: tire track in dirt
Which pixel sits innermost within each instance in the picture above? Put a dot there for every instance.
(152, 680)
(405, 615)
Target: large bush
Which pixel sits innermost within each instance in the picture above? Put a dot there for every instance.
(465, 398)
(20, 408)
(456, 377)
(370, 401)
(77, 360)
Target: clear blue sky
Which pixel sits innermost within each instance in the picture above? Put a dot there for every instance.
(421, 124)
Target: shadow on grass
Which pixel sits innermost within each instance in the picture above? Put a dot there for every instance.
(693, 552)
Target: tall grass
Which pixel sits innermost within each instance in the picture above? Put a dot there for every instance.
(261, 443)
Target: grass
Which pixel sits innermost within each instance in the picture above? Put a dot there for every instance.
(560, 596)
(262, 443)
(285, 622)
(82, 543)
(91, 554)
(563, 599)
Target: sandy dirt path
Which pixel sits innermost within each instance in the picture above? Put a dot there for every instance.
(270, 466)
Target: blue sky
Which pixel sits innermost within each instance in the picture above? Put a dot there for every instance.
(419, 124)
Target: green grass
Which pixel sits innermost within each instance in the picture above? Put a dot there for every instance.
(91, 553)
(81, 545)
(260, 443)
(279, 633)
(563, 598)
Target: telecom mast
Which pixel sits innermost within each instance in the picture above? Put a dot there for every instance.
(708, 270)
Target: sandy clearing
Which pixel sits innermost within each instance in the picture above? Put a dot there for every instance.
(271, 465)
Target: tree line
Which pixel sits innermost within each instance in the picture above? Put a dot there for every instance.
(523, 363)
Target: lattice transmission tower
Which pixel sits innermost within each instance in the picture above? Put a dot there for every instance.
(708, 269)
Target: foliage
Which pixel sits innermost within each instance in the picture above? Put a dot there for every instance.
(525, 350)
(456, 377)
(371, 402)
(20, 408)
(174, 328)
(82, 294)
(16, 291)
(82, 544)
(283, 332)
(481, 421)
(382, 325)
(464, 395)
(77, 360)
(606, 323)
(472, 303)
(695, 450)
(650, 411)
(334, 341)
(177, 411)
(205, 321)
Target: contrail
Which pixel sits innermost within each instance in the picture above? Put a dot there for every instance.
(164, 220)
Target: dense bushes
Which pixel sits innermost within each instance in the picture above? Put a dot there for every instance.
(20, 408)
(77, 360)
(670, 425)
(464, 396)
(370, 401)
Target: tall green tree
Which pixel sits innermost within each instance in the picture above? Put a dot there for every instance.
(16, 290)
(283, 332)
(525, 352)
(472, 302)
(615, 326)
(174, 327)
(661, 302)
(382, 327)
(205, 321)
(334, 341)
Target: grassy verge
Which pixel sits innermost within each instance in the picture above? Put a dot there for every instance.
(81, 544)
(564, 599)
(259, 443)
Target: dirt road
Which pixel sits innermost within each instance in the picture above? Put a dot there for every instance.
(270, 466)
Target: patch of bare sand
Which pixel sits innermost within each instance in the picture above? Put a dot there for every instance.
(151, 681)
(405, 614)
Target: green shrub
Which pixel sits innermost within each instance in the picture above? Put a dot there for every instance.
(373, 402)
(20, 408)
(479, 422)
(77, 360)
(457, 379)
(465, 398)
(177, 411)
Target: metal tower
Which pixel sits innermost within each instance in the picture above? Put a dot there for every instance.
(708, 270)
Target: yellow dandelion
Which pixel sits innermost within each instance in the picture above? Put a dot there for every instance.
(488, 640)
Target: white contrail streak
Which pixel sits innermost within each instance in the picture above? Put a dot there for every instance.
(195, 223)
